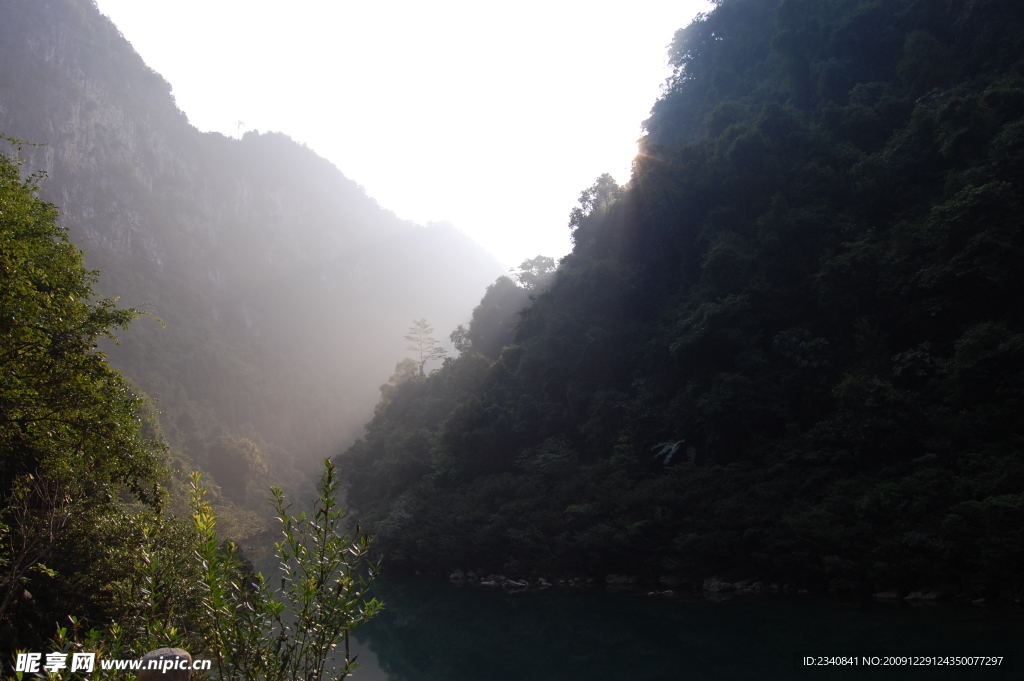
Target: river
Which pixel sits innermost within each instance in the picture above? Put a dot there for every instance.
(433, 630)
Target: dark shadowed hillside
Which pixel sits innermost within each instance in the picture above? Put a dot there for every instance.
(284, 288)
(790, 349)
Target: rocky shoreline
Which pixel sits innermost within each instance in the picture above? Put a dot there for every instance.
(712, 587)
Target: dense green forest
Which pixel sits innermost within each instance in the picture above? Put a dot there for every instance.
(77, 445)
(791, 348)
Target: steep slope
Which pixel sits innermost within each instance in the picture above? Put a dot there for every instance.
(284, 288)
(791, 348)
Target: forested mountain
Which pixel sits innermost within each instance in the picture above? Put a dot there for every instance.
(284, 288)
(791, 348)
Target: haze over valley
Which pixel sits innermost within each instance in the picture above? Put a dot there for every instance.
(285, 291)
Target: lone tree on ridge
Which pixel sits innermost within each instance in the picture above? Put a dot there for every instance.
(422, 343)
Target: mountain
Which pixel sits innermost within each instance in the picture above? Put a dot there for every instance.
(284, 290)
(791, 349)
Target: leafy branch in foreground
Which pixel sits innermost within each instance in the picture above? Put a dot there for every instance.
(291, 632)
(196, 592)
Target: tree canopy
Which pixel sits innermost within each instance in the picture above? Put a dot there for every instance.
(425, 346)
(61, 405)
(72, 439)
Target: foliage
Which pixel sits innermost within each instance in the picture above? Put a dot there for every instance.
(72, 438)
(61, 405)
(460, 340)
(258, 632)
(189, 589)
(241, 466)
(397, 448)
(597, 199)
(535, 274)
(154, 580)
(788, 348)
(423, 344)
(493, 323)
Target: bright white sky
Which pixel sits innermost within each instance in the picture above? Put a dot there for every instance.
(492, 116)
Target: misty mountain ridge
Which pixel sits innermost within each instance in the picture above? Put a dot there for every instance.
(284, 288)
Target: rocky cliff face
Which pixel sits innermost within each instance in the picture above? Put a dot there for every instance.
(284, 288)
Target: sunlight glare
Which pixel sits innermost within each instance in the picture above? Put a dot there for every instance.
(491, 116)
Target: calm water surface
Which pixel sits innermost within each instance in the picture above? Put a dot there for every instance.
(436, 631)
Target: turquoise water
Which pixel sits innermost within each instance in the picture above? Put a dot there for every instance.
(436, 631)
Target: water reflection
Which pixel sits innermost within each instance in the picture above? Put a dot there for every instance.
(435, 631)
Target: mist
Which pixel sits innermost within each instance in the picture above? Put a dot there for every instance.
(278, 291)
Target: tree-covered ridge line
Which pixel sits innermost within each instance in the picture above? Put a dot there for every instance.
(790, 348)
